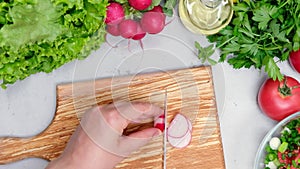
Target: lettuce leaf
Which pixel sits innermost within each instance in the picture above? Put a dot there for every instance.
(31, 23)
(42, 35)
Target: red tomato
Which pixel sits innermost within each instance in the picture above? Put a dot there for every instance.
(288, 160)
(294, 60)
(279, 99)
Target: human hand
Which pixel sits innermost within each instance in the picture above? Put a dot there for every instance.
(98, 142)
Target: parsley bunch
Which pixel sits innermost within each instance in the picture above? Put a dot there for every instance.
(261, 34)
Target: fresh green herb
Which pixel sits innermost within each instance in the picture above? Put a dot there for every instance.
(42, 35)
(294, 164)
(205, 53)
(276, 162)
(283, 147)
(261, 34)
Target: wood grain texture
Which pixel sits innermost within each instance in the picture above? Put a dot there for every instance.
(190, 92)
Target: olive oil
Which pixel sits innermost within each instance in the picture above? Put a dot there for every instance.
(205, 16)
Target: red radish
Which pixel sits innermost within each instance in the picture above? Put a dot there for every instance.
(160, 126)
(158, 9)
(128, 28)
(140, 34)
(140, 4)
(114, 13)
(178, 127)
(180, 142)
(152, 22)
(159, 123)
(294, 60)
(113, 29)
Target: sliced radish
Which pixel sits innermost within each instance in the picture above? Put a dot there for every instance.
(179, 126)
(180, 142)
(190, 124)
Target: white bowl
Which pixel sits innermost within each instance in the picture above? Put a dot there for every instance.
(275, 131)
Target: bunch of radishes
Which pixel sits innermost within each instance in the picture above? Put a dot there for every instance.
(133, 19)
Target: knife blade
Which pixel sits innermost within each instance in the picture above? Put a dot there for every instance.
(165, 131)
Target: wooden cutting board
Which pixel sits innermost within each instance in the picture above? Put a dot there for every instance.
(190, 92)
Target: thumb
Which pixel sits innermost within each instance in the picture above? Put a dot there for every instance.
(136, 140)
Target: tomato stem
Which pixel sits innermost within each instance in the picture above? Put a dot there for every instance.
(285, 90)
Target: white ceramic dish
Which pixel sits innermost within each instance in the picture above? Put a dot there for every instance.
(275, 131)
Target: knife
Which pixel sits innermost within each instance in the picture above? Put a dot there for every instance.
(165, 131)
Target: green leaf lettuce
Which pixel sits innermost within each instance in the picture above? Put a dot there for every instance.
(42, 35)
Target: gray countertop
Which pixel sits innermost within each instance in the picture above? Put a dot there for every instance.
(28, 106)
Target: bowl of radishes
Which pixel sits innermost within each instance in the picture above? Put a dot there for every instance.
(134, 19)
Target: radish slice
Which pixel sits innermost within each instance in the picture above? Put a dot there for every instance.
(181, 142)
(179, 127)
(180, 124)
(190, 124)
